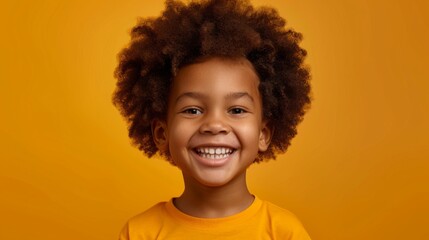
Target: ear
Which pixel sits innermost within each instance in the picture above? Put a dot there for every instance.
(265, 137)
(159, 135)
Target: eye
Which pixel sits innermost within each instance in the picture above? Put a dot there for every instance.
(192, 111)
(237, 110)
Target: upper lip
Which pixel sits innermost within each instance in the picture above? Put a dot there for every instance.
(211, 145)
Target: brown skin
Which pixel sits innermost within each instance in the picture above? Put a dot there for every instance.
(214, 202)
(186, 33)
(214, 104)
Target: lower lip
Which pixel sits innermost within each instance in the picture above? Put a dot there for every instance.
(209, 162)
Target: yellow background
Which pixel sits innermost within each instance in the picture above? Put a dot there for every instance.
(358, 168)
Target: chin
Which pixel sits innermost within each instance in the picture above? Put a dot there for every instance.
(215, 179)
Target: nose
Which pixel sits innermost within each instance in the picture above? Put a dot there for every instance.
(214, 123)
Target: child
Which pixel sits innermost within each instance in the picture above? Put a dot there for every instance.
(213, 86)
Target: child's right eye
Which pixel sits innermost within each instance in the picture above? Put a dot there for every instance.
(193, 111)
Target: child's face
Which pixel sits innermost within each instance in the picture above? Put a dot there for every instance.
(214, 128)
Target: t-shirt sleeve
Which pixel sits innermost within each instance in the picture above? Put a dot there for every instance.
(293, 231)
(285, 225)
(300, 234)
(124, 235)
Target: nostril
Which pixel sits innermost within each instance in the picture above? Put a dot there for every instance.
(214, 122)
(215, 130)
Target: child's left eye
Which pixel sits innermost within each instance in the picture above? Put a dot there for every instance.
(193, 111)
(237, 111)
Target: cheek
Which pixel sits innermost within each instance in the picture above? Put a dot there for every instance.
(179, 134)
(176, 143)
(248, 135)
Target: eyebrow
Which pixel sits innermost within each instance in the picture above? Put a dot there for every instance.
(237, 95)
(196, 95)
(233, 95)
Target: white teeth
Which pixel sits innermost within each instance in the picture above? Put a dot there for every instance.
(214, 153)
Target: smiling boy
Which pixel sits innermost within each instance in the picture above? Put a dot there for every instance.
(213, 86)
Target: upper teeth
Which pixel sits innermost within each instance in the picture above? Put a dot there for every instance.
(219, 150)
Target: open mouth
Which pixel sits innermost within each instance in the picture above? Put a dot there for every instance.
(214, 152)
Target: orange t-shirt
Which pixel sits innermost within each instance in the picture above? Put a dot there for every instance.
(261, 220)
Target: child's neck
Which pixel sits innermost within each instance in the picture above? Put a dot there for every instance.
(214, 202)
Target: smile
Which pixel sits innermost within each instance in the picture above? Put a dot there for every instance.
(214, 152)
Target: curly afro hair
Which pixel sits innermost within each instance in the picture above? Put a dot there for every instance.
(185, 33)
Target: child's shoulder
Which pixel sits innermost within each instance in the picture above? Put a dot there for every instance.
(277, 211)
(145, 224)
(283, 222)
(150, 215)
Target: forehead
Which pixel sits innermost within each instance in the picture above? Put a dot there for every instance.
(216, 76)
